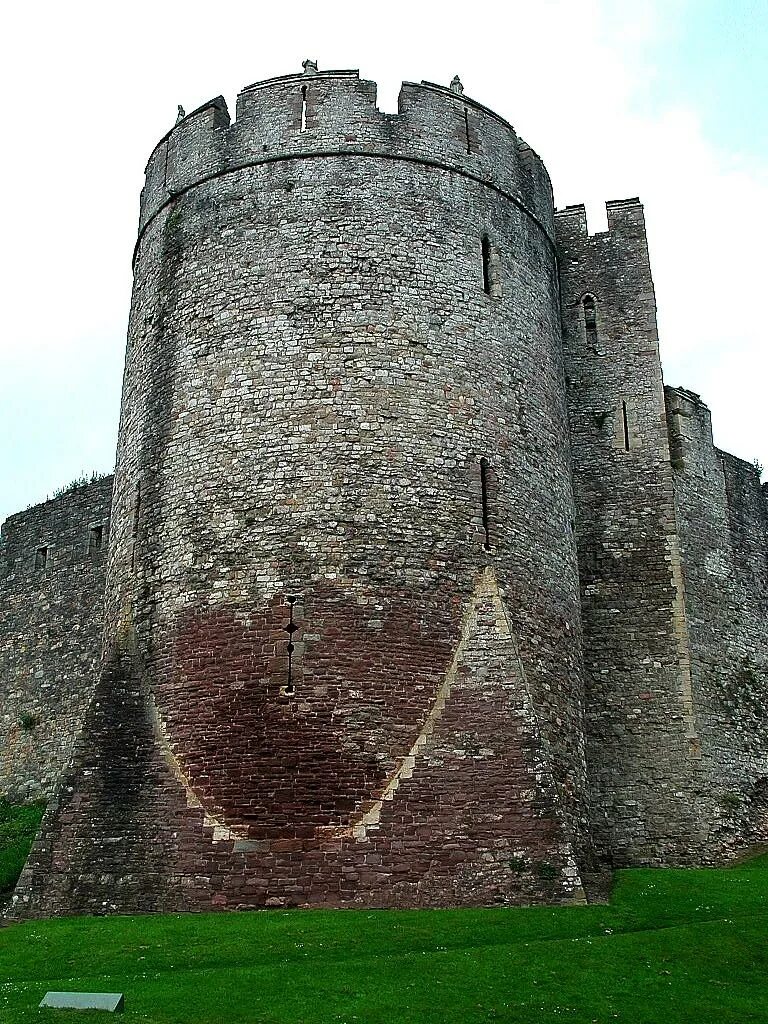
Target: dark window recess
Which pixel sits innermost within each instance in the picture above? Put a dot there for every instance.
(466, 130)
(485, 487)
(486, 252)
(590, 319)
(303, 108)
(625, 425)
(95, 539)
(41, 558)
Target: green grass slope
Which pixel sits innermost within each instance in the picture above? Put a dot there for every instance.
(673, 946)
(18, 826)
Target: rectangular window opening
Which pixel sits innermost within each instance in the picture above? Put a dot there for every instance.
(95, 539)
(625, 424)
(590, 320)
(303, 108)
(466, 130)
(486, 250)
(41, 558)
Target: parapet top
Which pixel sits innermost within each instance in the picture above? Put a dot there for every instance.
(315, 112)
(311, 70)
(685, 394)
(571, 221)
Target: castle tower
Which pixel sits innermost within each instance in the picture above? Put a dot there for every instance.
(342, 660)
(643, 738)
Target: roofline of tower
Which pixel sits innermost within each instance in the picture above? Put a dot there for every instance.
(442, 90)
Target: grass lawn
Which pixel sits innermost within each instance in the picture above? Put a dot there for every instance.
(18, 826)
(673, 946)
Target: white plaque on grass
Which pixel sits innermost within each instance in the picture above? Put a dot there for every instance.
(110, 1001)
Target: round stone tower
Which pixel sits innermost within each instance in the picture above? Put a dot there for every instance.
(342, 650)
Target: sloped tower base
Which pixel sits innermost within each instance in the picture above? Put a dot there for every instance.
(468, 817)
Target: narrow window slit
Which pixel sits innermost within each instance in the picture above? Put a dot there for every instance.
(590, 319)
(41, 558)
(303, 108)
(484, 468)
(289, 689)
(95, 539)
(486, 250)
(466, 130)
(625, 424)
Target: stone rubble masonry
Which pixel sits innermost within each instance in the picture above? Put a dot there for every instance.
(50, 633)
(361, 398)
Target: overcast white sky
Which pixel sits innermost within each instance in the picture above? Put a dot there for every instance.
(662, 100)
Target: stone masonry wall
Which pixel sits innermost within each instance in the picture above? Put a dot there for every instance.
(51, 617)
(722, 512)
(642, 739)
(344, 386)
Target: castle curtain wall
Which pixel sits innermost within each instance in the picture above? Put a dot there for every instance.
(52, 572)
(722, 514)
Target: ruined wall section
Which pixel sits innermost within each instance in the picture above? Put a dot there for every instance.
(322, 349)
(52, 572)
(642, 742)
(722, 512)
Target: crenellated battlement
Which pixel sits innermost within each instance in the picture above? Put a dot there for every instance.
(334, 113)
(623, 215)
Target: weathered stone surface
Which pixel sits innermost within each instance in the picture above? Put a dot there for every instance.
(380, 466)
